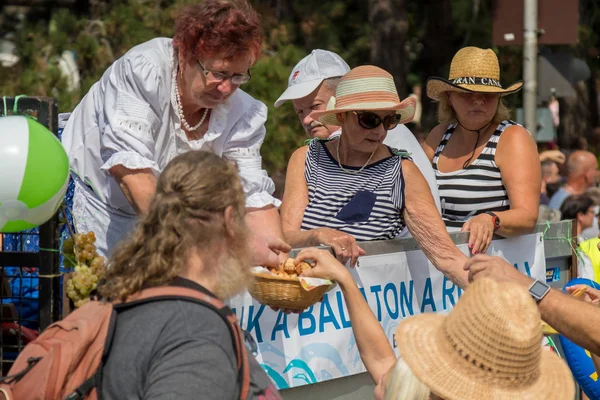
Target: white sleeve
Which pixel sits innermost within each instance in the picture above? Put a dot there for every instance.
(402, 138)
(243, 147)
(131, 114)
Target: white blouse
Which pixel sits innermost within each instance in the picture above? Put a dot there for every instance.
(129, 117)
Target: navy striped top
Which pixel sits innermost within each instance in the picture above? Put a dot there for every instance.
(476, 189)
(367, 205)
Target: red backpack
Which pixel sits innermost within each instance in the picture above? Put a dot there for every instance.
(65, 361)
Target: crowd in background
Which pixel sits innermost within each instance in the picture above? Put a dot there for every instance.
(570, 192)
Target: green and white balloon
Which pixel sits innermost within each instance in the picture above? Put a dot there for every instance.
(34, 174)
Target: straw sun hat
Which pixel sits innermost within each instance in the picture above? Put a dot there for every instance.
(472, 70)
(366, 88)
(488, 347)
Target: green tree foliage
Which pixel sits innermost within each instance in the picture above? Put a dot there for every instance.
(269, 79)
(436, 30)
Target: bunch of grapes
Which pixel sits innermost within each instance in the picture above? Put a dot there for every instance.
(80, 252)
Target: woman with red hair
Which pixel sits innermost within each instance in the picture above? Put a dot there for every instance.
(163, 98)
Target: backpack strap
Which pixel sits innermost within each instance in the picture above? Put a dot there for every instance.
(9, 379)
(186, 294)
(174, 293)
(95, 380)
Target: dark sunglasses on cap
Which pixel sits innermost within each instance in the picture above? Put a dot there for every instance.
(370, 120)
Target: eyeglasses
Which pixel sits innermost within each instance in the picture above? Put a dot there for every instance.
(236, 79)
(369, 120)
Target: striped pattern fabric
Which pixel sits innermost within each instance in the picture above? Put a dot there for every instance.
(474, 190)
(367, 205)
(373, 89)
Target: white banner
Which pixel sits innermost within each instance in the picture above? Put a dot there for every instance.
(318, 344)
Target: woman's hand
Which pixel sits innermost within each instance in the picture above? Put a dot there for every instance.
(553, 155)
(268, 251)
(482, 231)
(344, 245)
(325, 265)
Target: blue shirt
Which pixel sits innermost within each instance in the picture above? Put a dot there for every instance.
(558, 198)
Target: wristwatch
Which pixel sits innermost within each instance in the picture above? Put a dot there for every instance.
(538, 290)
(495, 220)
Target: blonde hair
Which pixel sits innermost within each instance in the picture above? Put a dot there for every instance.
(446, 114)
(404, 385)
(185, 215)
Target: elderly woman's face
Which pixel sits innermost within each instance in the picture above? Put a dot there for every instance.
(211, 81)
(474, 110)
(366, 130)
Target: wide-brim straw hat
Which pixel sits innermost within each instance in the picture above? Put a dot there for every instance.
(488, 347)
(366, 88)
(472, 70)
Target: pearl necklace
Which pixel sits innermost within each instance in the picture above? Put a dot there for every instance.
(337, 153)
(180, 111)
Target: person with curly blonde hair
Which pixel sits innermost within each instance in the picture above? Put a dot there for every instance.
(193, 236)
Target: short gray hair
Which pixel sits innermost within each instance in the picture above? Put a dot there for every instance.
(332, 83)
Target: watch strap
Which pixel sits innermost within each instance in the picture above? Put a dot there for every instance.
(495, 219)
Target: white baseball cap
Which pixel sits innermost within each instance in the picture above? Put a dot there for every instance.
(308, 74)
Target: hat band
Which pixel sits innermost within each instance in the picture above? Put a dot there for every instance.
(471, 80)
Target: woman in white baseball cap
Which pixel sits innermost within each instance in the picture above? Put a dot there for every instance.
(311, 84)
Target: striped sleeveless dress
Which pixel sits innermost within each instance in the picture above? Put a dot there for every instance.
(474, 190)
(367, 205)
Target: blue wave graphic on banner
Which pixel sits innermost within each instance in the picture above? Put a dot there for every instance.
(277, 379)
(324, 350)
(311, 378)
(305, 374)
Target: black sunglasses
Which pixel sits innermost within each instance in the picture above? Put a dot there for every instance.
(369, 120)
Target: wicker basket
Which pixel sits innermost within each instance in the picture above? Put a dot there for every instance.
(285, 292)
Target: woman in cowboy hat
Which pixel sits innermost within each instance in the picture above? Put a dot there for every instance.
(353, 187)
(487, 167)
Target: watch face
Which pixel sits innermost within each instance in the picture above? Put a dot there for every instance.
(538, 289)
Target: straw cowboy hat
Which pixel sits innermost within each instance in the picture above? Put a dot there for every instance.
(472, 70)
(488, 347)
(366, 88)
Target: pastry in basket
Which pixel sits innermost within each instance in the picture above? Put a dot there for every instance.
(289, 269)
(288, 266)
(302, 266)
(283, 289)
